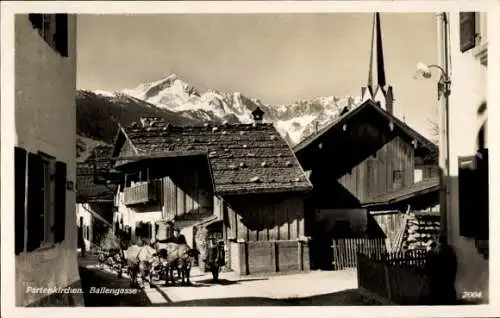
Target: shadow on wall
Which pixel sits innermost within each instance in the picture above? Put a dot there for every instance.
(472, 250)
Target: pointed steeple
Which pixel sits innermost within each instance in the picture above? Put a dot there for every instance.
(376, 87)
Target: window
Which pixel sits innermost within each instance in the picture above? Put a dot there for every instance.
(143, 229)
(40, 200)
(397, 179)
(419, 175)
(53, 28)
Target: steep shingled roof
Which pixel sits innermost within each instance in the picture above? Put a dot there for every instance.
(243, 158)
(87, 191)
(102, 157)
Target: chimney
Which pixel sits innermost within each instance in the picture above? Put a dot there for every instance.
(350, 102)
(258, 114)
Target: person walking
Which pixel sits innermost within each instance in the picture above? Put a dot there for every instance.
(441, 270)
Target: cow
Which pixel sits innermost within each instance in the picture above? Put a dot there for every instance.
(177, 256)
(140, 261)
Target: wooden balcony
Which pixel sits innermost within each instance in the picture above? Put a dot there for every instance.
(143, 193)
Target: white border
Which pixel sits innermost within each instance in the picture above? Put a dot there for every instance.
(9, 8)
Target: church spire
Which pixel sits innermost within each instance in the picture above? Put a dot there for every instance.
(376, 87)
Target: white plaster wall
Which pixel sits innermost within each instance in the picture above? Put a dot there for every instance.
(132, 215)
(87, 221)
(45, 120)
(468, 90)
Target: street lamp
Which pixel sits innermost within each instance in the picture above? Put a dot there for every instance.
(444, 82)
(443, 87)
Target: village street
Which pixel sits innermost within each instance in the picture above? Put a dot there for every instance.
(317, 288)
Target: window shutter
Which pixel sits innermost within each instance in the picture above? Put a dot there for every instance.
(36, 20)
(482, 199)
(467, 194)
(60, 202)
(36, 202)
(467, 31)
(138, 228)
(20, 189)
(62, 34)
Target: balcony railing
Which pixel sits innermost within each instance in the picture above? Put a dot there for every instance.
(143, 193)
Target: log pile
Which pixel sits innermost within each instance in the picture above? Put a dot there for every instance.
(422, 230)
(201, 244)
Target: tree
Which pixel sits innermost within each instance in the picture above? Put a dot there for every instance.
(434, 131)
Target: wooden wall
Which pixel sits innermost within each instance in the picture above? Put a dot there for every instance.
(187, 191)
(265, 218)
(428, 171)
(374, 175)
(391, 223)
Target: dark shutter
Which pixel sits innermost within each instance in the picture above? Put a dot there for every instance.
(482, 205)
(467, 194)
(36, 202)
(60, 202)
(150, 230)
(36, 20)
(138, 229)
(19, 189)
(467, 30)
(62, 34)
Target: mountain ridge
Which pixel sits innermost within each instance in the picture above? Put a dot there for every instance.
(181, 103)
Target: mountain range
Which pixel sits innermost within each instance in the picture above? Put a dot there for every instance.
(180, 103)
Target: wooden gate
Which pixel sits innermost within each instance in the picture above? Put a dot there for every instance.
(345, 250)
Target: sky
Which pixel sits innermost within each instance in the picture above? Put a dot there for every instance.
(277, 58)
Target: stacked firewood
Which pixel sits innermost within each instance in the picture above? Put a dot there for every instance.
(422, 231)
(202, 245)
(109, 252)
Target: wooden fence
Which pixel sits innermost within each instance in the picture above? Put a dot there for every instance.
(414, 259)
(345, 250)
(395, 279)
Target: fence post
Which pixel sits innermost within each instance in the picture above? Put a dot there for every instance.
(243, 256)
(358, 271)
(335, 255)
(276, 255)
(387, 281)
(299, 255)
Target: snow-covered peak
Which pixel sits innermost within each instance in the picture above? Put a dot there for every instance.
(155, 91)
(294, 120)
